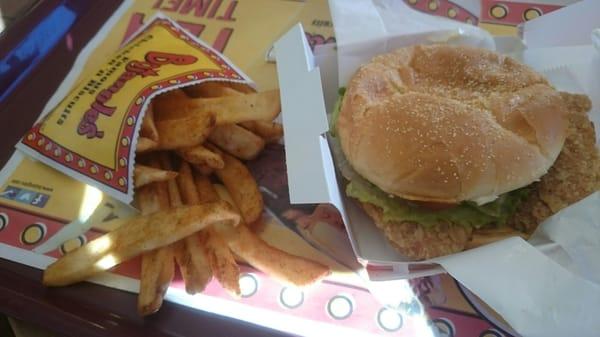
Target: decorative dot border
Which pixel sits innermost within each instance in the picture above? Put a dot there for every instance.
(251, 280)
(448, 327)
(4, 220)
(444, 8)
(512, 13)
(345, 298)
(286, 303)
(37, 229)
(382, 325)
(79, 241)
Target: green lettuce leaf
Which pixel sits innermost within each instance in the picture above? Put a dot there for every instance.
(468, 213)
(336, 112)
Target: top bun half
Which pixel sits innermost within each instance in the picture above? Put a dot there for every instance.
(446, 123)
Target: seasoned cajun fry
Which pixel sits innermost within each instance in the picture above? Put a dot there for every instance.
(210, 89)
(486, 236)
(152, 198)
(175, 201)
(218, 256)
(227, 232)
(161, 104)
(271, 132)
(204, 170)
(200, 155)
(188, 131)
(144, 175)
(237, 141)
(206, 191)
(243, 88)
(148, 129)
(174, 196)
(221, 261)
(186, 185)
(193, 264)
(145, 145)
(189, 255)
(157, 265)
(241, 185)
(140, 234)
(257, 226)
(155, 277)
(280, 265)
(110, 225)
(228, 109)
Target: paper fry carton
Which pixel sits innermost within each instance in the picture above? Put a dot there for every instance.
(92, 134)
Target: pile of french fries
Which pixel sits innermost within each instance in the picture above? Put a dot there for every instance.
(196, 198)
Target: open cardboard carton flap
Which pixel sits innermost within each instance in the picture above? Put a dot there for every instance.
(540, 287)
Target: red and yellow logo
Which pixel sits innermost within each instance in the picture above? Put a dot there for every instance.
(91, 134)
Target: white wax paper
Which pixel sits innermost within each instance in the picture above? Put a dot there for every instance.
(364, 28)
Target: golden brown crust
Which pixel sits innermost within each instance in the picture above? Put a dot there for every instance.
(574, 175)
(447, 124)
(417, 242)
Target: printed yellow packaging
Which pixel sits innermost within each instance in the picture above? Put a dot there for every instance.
(92, 134)
(230, 27)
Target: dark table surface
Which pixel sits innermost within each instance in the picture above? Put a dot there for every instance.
(85, 309)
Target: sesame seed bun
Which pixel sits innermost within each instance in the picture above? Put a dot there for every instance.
(447, 123)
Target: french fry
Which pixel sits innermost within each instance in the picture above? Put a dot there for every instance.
(144, 175)
(151, 198)
(157, 267)
(196, 269)
(271, 132)
(241, 185)
(187, 186)
(227, 109)
(155, 277)
(110, 225)
(237, 141)
(200, 155)
(163, 103)
(148, 129)
(145, 145)
(282, 266)
(205, 189)
(140, 234)
(486, 236)
(218, 256)
(184, 132)
(241, 87)
(221, 261)
(204, 170)
(189, 255)
(211, 89)
(226, 270)
(174, 196)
